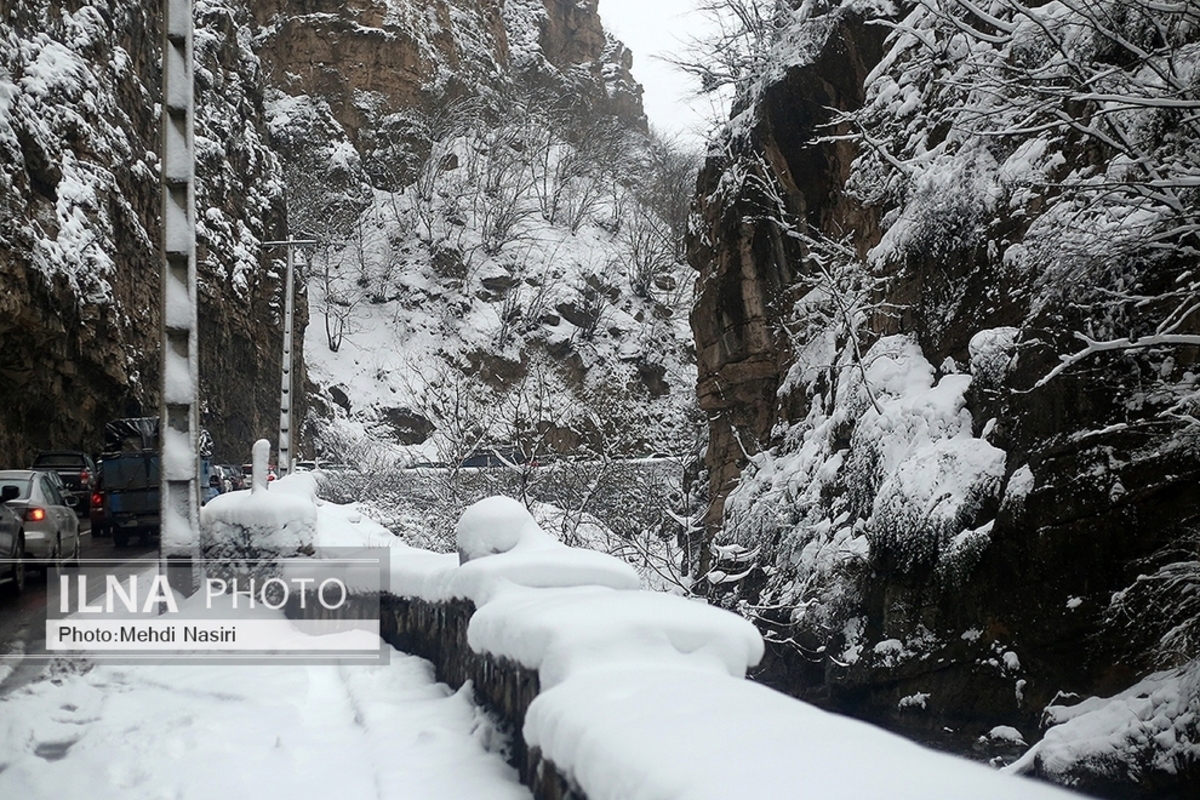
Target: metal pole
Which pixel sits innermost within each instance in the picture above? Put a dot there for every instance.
(179, 542)
(285, 392)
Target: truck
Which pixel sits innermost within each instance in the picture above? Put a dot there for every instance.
(130, 474)
(126, 502)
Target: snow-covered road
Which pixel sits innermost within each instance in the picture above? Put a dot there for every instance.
(290, 731)
(91, 731)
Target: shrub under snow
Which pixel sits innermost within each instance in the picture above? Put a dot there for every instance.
(885, 466)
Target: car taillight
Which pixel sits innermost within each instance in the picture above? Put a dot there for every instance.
(97, 500)
(85, 478)
(35, 514)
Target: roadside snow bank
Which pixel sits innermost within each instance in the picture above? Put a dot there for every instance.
(292, 730)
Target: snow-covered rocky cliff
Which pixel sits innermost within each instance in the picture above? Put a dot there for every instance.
(79, 262)
(947, 334)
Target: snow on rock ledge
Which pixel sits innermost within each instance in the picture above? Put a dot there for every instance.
(1150, 731)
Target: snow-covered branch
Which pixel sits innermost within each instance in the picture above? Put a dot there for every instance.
(1093, 347)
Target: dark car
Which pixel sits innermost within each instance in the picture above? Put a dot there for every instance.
(129, 500)
(130, 474)
(12, 545)
(78, 473)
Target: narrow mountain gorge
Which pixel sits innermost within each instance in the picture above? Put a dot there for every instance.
(304, 109)
(914, 215)
(915, 360)
(484, 185)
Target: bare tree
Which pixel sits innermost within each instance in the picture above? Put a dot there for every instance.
(511, 314)
(500, 196)
(648, 248)
(740, 36)
(463, 411)
(436, 131)
(337, 303)
(669, 185)
(1161, 608)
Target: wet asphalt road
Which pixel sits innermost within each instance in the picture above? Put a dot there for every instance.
(23, 619)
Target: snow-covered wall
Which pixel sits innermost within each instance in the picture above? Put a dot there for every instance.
(615, 693)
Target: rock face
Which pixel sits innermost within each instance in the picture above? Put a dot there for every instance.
(747, 269)
(368, 60)
(79, 263)
(835, 267)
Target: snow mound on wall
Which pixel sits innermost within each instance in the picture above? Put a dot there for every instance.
(496, 525)
(501, 544)
(560, 632)
(281, 520)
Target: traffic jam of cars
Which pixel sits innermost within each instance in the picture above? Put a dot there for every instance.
(64, 496)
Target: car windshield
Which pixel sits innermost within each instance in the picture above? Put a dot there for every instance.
(22, 484)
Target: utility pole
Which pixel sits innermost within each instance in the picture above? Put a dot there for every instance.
(178, 425)
(285, 393)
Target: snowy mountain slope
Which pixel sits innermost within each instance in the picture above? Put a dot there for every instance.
(502, 235)
(556, 315)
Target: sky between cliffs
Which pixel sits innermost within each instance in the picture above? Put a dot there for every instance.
(654, 30)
